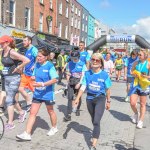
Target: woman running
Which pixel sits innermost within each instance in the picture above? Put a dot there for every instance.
(45, 77)
(97, 83)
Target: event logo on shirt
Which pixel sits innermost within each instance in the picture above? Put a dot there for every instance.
(45, 70)
(94, 87)
(101, 80)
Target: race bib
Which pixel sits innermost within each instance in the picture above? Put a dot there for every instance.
(40, 88)
(76, 75)
(5, 70)
(94, 87)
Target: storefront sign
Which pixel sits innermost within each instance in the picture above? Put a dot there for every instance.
(17, 34)
(121, 39)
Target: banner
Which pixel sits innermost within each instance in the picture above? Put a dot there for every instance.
(120, 38)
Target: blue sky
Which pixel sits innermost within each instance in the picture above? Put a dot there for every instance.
(131, 15)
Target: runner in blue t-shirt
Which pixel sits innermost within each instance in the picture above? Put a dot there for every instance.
(84, 55)
(44, 77)
(26, 81)
(97, 83)
(128, 64)
(75, 71)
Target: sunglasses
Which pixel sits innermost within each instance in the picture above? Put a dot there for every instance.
(95, 60)
(139, 55)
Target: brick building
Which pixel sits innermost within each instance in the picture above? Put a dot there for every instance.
(63, 9)
(75, 22)
(44, 19)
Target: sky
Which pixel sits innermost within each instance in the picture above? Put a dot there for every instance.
(124, 16)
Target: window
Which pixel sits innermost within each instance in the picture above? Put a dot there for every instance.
(27, 18)
(79, 13)
(42, 1)
(78, 24)
(72, 8)
(82, 27)
(83, 16)
(51, 4)
(76, 10)
(75, 23)
(50, 26)
(72, 21)
(60, 8)
(86, 28)
(86, 18)
(60, 28)
(67, 12)
(41, 22)
(66, 32)
(12, 13)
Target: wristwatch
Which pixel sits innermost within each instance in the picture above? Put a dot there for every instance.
(108, 101)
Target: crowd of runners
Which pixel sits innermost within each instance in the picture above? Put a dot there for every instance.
(38, 71)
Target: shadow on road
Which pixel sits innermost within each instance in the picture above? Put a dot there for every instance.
(40, 123)
(80, 129)
(62, 108)
(121, 147)
(120, 116)
(118, 98)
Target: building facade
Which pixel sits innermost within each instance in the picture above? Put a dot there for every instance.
(44, 16)
(75, 22)
(63, 9)
(91, 29)
(97, 29)
(84, 25)
(0, 11)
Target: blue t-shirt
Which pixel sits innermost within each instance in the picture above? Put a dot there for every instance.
(129, 63)
(44, 73)
(96, 83)
(76, 69)
(84, 56)
(31, 53)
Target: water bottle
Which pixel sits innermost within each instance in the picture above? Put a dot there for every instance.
(74, 109)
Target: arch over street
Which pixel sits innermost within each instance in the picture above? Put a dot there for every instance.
(140, 41)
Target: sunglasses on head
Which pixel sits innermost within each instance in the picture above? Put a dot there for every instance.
(95, 60)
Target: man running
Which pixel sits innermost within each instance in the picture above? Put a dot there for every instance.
(26, 81)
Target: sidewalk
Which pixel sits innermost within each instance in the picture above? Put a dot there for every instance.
(117, 131)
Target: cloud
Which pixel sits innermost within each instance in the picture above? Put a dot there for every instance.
(141, 27)
(104, 4)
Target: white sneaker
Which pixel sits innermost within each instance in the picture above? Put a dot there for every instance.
(127, 99)
(140, 124)
(24, 136)
(52, 131)
(135, 118)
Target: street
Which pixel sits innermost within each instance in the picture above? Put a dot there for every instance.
(117, 130)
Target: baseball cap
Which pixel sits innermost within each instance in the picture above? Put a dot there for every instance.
(6, 38)
(75, 54)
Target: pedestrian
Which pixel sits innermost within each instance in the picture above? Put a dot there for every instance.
(11, 73)
(45, 77)
(108, 64)
(118, 66)
(74, 72)
(143, 67)
(129, 64)
(52, 59)
(97, 84)
(26, 82)
(84, 55)
(60, 66)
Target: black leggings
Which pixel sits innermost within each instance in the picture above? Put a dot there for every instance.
(71, 92)
(96, 109)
